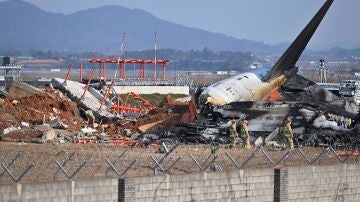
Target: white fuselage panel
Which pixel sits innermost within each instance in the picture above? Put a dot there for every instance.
(241, 87)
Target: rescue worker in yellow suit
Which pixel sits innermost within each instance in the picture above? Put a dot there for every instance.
(245, 134)
(288, 133)
(233, 133)
(348, 123)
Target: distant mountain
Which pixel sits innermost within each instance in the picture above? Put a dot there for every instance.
(341, 52)
(336, 53)
(349, 45)
(24, 26)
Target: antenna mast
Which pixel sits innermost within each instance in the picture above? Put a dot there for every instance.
(155, 41)
(120, 52)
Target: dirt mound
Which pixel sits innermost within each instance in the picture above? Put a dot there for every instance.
(32, 108)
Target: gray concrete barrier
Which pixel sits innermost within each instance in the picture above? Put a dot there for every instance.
(312, 183)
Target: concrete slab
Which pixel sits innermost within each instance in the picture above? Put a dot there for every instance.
(19, 90)
(91, 100)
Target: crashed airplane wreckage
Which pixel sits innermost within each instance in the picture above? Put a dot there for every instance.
(267, 101)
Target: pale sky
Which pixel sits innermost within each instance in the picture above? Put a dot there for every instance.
(270, 21)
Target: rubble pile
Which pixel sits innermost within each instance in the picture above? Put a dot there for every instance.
(156, 122)
(37, 109)
(38, 118)
(50, 116)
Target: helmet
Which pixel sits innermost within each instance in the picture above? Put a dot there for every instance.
(288, 120)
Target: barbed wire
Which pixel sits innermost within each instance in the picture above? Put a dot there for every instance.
(120, 162)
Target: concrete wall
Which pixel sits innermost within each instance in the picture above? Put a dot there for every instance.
(240, 185)
(82, 191)
(324, 183)
(315, 183)
(152, 89)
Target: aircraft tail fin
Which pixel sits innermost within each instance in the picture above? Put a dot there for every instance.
(288, 60)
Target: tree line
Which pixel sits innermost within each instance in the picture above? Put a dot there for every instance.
(205, 59)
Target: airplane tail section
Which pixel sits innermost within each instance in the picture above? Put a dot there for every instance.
(288, 60)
